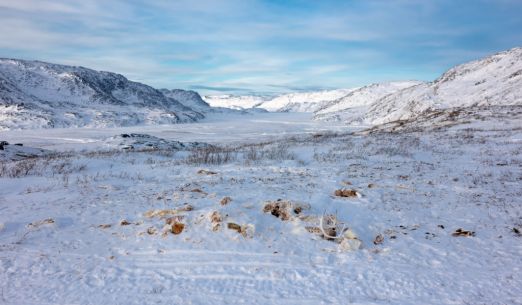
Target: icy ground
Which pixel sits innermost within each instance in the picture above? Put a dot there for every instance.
(217, 128)
(82, 227)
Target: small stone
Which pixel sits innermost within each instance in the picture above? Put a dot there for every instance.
(226, 200)
(177, 228)
(379, 239)
(234, 226)
(345, 193)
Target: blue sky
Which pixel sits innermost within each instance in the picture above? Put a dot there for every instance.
(269, 46)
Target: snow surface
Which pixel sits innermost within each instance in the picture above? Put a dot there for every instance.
(433, 194)
(62, 240)
(216, 129)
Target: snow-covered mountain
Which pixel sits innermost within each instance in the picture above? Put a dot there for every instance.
(36, 94)
(492, 81)
(355, 104)
(188, 98)
(239, 102)
(291, 102)
(303, 101)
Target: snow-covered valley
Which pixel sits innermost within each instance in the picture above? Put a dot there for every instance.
(95, 227)
(391, 193)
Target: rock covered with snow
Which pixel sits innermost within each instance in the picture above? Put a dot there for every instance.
(139, 141)
(17, 151)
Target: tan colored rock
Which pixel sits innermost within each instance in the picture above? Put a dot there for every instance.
(345, 193)
(226, 200)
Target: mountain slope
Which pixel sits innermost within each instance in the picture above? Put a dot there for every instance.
(303, 101)
(492, 81)
(36, 94)
(235, 101)
(188, 98)
(353, 106)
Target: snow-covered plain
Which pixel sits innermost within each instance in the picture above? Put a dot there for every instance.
(215, 129)
(77, 227)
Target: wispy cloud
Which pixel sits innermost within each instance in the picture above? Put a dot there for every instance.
(246, 45)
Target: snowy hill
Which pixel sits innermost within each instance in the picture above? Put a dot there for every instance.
(188, 98)
(36, 94)
(354, 105)
(235, 101)
(492, 81)
(305, 101)
(291, 102)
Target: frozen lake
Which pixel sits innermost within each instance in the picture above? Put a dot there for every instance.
(216, 129)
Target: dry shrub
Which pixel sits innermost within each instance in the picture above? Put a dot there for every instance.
(159, 213)
(226, 200)
(162, 213)
(345, 193)
(331, 229)
(212, 155)
(104, 226)
(124, 223)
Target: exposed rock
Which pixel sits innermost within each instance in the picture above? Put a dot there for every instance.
(345, 193)
(461, 232)
(177, 228)
(226, 200)
(379, 239)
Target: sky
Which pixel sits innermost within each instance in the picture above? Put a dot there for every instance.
(260, 46)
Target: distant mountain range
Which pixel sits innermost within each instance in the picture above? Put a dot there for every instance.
(492, 81)
(36, 94)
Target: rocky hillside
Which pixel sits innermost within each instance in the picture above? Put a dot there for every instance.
(239, 102)
(492, 81)
(36, 94)
(304, 101)
(188, 98)
(354, 105)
